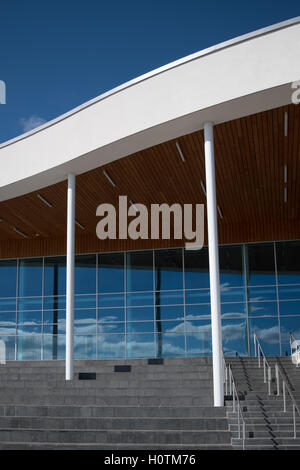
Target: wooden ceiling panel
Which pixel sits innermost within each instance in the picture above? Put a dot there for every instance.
(250, 154)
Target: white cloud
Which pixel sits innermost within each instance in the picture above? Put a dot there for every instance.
(31, 123)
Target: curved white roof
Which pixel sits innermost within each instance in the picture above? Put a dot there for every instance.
(240, 77)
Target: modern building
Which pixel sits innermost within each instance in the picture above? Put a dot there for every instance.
(220, 128)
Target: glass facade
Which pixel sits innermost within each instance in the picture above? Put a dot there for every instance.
(153, 303)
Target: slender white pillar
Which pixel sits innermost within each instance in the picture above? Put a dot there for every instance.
(70, 277)
(214, 276)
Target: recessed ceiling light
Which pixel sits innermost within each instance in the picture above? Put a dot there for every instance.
(220, 212)
(19, 232)
(286, 123)
(180, 152)
(109, 178)
(79, 225)
(44, 200)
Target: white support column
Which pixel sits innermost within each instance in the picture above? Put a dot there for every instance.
(214, 276)
(70, 277)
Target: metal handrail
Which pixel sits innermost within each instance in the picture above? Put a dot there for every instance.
(285, 388)
(258, 353)
(236, 408)
(292, 339)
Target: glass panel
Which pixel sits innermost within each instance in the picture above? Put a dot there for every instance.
(288, 262)
(140, 299)
(30, 303)
(111, 272)
(257, 294)
(56, 329)
(198, 339)
(168, 269)
(7, 305)
(85, 274)
(267, 331)
(111, 327)
(54, 316)
(170, 345)
(233, 310)
(8, 318)
(30, 317)
(30, 277)
(197, 296)
(86, 316)
(54, 347)
(235, 337)
(111, 346)
(8, 276)
(262, 309)
(10, 345)
(140, 313)
(8, 329)
(169, 312)
(140, 345)
(197, 312)
(233, 295)
(111, 314)
(289, 292)
(231, 266)
(139, 273)
(196, 268)
(84, 301)
(260, 264)
(171, 327)
(169, 298)
(84, 347)
(53, 303)
(111, 300)
(55, 276)
(289, 307)
(288, 325)
(29, 329)
(29, 347)
(140, 327)
(85, 329)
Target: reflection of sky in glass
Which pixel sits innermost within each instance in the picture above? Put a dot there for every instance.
(167, 309)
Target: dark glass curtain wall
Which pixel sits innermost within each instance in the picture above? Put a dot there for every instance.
(153, 303)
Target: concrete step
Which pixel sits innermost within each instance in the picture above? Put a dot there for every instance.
(29, 386)
(107, 401)
(116, 437)
(258, 442)
(104, 423)
(111, 447)
(113, 411)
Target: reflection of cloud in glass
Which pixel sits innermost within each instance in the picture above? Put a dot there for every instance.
(8, 330)
(176, 329)
(268, 335)
(197, 317)
(233, 332)
(233, 315)
(225, 286)
(108, 326)
(108, 319)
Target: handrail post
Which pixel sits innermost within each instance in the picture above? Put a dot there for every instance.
(294, 420)
(284, 396)
(264, 363)
(255, 351)
(277, 379)
(269, 379)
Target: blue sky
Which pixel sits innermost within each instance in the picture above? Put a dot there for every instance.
(55, 55)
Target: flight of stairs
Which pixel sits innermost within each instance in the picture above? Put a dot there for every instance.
(267, 425)
(165, 405)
